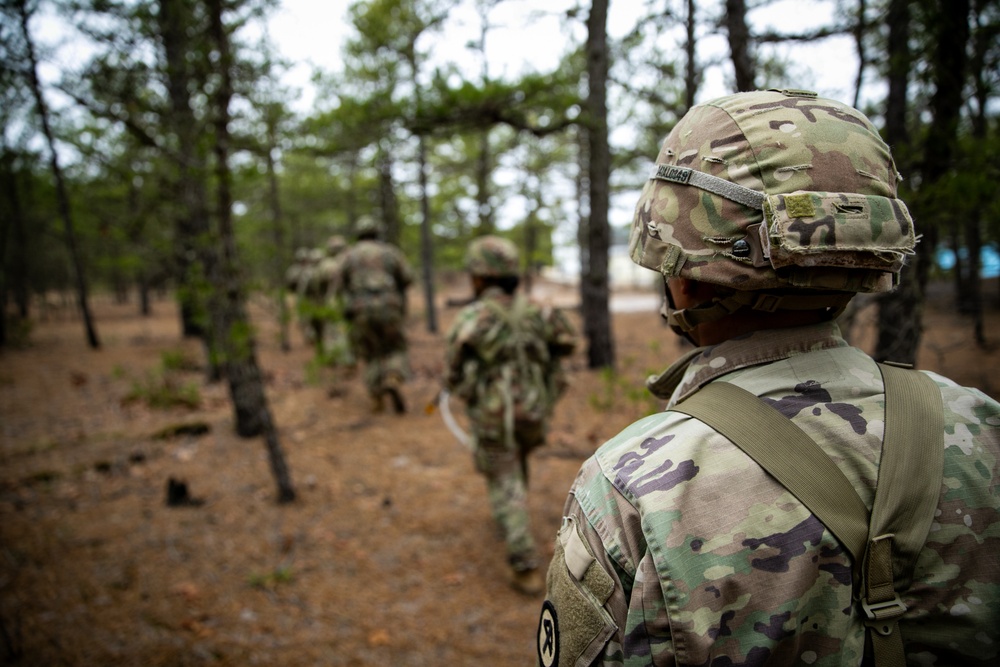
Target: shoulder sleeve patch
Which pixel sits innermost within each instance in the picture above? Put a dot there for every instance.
(574, 626)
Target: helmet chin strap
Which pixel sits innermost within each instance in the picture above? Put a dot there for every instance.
(683, 321)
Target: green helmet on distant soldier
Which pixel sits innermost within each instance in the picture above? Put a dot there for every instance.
(335, 245)
(782, 199)
(492, 257)
(366, 227)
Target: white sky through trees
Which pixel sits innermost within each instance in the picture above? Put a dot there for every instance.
(530, 35)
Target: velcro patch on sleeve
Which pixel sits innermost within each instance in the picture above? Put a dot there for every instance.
(574, 626)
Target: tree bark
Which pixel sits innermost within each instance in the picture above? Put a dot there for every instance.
(860, 29)
(426, 242)
(690, 53)
(280, 256)
(739, 44)
(983, 39)
(15, 270)
(191, 225)
(483, 171)
(62, 197)
(594, 283)
(900, 325)
(387, 197)
(229, 318)
(900, 312)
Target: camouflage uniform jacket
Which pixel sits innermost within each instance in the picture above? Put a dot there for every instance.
(477, 349)
(706, 559)
(373, 276)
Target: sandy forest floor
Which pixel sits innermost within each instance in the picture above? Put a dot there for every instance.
(388, 557)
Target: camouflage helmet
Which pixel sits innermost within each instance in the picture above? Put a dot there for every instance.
(492, 257)
(335, 245)
(301, 254)
(315, 255)
(366, 225)
(777, 191)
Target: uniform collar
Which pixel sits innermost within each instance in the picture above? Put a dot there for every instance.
(703, 365)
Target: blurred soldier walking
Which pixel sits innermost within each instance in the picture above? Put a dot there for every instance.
(373, 277)
(335, 348)
(310, 300)
(503, 360)
(294, 277)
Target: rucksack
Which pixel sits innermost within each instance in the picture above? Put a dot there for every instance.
(515, 377)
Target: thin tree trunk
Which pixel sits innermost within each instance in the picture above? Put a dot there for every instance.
(246, 388)
(426, 242)
(860, 29)
(191, 224)
(983, 39)
(690, 53)
(13, 222)
(483, 184)
(280, 254)
(19, 256)
(62, 197)
(949, 64)
(6, 222)
(739, 44)
(900, 312)
(534, 196)
(387, 197)
(594, 284)
(581, 185)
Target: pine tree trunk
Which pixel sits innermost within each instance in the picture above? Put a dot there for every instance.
(594, 283)
(899, 321)
(280, 256)
(191, 225)
(739, 44)
(690, 51)
(426, 241)
(62, 197)
(229, 318)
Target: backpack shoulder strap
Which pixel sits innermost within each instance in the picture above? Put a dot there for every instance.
(883, 545)
(909, 485)
(788, 454)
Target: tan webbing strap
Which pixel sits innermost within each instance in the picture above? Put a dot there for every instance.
(906, 496)
(788, 454)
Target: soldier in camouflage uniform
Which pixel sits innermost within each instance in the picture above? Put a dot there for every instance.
(765, 213)
(294, 277)
(503, 359)
(325, 281)
(309, 299)
(373, 277)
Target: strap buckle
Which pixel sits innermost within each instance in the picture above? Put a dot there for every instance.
(882, 616)
(767, 303)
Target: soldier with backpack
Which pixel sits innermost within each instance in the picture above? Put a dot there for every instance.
(503, 359)
(797, 503)
(373, 277)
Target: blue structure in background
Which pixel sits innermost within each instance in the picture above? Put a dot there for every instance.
(989, 260)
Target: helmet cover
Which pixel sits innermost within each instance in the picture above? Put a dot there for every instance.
(492, 257)
(335, 245)
(774, 190)
(366, 225)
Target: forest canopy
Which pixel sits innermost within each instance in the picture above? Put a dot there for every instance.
(130, 168)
